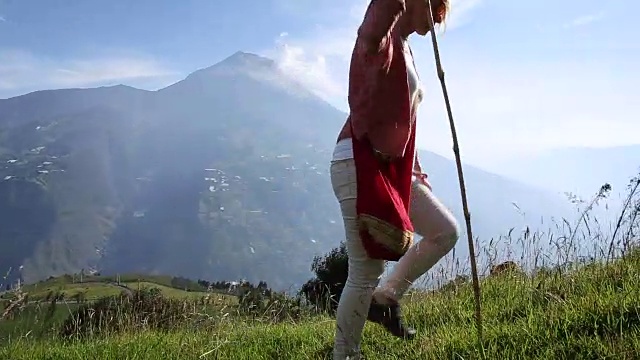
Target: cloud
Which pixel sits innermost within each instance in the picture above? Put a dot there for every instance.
(584, 20)
(320, 58)
(320, 68)
(309, 66)
(23, 71)
(100, 71)
(3, 19)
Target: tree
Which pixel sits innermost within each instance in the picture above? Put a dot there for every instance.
(331, 272)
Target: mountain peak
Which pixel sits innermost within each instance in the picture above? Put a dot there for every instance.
(240, 61)
(241, 58)
(248, 65)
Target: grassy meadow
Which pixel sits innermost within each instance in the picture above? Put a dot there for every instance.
(571, 310)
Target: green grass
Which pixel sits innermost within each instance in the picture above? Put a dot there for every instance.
(95, 287)
(91, 290)
(591, 313)
(35, 321)
(174, 293)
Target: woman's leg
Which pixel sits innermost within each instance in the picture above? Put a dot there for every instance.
(439, 231)
(364, 273)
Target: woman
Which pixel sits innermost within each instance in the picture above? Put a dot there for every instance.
(384, 93)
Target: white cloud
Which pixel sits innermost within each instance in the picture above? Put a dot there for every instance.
(22, 72)
(309, 66)
(93, 71)
(320, 59)
(2, 19)
(584, 20)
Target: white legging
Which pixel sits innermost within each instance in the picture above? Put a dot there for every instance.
(431, 220)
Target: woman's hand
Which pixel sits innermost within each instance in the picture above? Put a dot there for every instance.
(419, 174)
(422, 178)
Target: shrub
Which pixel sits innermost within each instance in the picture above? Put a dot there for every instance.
(142, 309)
(262, 303)
(331, 272)
(455, 284)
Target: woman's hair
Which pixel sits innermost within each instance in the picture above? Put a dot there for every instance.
(442, 12)
(444, 9)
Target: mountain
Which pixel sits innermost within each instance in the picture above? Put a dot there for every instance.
(221, 176)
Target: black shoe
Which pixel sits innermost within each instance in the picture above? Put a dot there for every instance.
(390, 316)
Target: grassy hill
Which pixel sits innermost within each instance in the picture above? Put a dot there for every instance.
(51, 302)
(95, 287)
(573, 309)
(592, 312)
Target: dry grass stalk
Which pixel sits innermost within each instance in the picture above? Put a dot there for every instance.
(14, 305)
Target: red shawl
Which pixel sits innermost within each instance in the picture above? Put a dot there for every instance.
(383, 197)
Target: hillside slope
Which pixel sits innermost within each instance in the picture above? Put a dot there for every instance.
(221, 176)
(589, 313)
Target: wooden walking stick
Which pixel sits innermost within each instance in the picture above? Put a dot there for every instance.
(463, 192)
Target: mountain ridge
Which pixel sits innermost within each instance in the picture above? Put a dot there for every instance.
(222, 175)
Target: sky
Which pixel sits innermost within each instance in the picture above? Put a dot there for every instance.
(522, 76)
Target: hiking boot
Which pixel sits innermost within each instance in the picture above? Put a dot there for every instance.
(390, 317)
